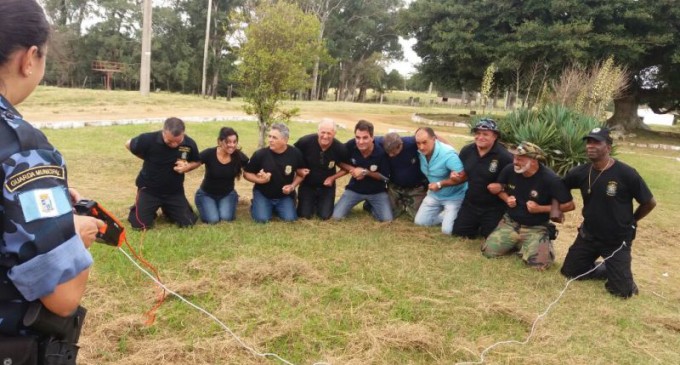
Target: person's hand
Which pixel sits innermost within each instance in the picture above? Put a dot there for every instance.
(558, 218)
(181, 166)
(287, 189)
(304, 172)
(359, 173)
(533, 207)
(74, 194)
(87, 228)
(511, 201)
(455, 175)
(494, 188)
(433, 187)
(328, 182)
(264, 176)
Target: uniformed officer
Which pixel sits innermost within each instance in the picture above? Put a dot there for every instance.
(276, 171)
(608, 188)
(44, 261)
(322, 153)
(527, 188)
(483, 161)
(168, 155)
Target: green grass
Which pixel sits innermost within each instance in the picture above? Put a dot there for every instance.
(355, 291)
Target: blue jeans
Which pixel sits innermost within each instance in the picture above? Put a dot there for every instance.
(380, 205)
(263, 208)
(434, 212)
(215, 208)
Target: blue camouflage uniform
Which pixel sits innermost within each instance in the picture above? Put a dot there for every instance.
(39, 247)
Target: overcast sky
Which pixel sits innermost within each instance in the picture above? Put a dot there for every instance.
(407, 66)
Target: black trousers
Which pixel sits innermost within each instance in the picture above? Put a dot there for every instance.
(319, 200)
(617, 269)
(476, 221)
(174, 206)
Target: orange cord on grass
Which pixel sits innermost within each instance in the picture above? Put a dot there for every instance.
(151, 314)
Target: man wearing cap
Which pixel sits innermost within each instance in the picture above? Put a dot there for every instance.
(407, 186)
(483, 161)
(527, 188)
(608, 188)
(369, 167)
(322, 153)
(444, 195)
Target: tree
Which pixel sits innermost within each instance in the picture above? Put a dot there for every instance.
(539, 38)
(281, 45)
(394, 81)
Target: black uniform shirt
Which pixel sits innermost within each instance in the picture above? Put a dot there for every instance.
(375, 162)
(541, 187)
(282, 166)
(219, 178)
(608, 209)
(321, 164)
(158, 174)
(481, 171)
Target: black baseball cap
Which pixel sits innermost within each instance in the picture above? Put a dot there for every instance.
(599, 134)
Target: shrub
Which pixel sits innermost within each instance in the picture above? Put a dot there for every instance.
(556, 129)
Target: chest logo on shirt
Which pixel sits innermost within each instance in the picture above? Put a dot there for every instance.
(354, 161)
(533, 194)
(493, 166)
(35, 173)
(288, 170)
(331, 164)
(413, 161)
(184, 152)
(373, 168)
(611, 188)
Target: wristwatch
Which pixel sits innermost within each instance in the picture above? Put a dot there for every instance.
(439, 184)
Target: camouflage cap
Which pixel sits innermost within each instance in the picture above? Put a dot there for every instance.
(528, 149)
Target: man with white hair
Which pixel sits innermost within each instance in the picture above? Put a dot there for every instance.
(322, 153)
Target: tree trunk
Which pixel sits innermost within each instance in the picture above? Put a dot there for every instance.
(626, 115)
(262, 129)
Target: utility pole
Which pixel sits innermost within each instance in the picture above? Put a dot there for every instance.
(205, 48)
(145, 71)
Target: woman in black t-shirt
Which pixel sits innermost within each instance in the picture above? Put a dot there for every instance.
(216, 199)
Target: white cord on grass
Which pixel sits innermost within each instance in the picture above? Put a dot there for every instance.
(540, 316)
(227, 329)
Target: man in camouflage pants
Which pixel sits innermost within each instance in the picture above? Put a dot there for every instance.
(528, 188)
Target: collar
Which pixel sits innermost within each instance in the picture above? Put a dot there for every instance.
(6, 108)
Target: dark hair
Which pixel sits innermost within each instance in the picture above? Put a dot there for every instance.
(364, 125)
(22, 25)
(428, 130)
(226, 132)
(174, 125)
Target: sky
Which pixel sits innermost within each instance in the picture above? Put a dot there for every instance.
(407, 66)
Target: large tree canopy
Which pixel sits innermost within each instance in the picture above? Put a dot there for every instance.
(457, 39)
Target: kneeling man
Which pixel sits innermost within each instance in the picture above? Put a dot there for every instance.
(528, 188)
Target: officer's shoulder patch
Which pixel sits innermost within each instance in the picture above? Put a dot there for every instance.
(24, 177)
(44, 203)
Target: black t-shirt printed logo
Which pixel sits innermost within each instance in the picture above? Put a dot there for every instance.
(611, 188)
(493, 166)
(331, 164)
(413, 161)
(184, 152)
(289, 169)
(533, 194)
(354, 161)
(373, 168)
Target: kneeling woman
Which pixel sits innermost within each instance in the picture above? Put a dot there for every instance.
(216, 199)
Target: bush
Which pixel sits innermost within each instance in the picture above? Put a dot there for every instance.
(556, 129)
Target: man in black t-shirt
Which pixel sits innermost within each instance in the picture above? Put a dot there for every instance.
(276, 171)
(527, 188)
(168, 154)
(483, 161)
(369, 168)
(608, 188)
(322, 153)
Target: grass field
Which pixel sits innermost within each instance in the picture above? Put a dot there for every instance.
(356, 291)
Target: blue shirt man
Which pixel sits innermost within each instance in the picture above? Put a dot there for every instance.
(407, 186)
(437, 161)
(369, 168)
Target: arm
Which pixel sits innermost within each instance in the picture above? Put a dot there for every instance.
(128, 144)
(261, 177)
(331, 179)
(182, 167)
(299, 176)
(644, 209)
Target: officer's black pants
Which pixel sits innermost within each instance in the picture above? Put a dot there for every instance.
(581, 258)
(317, 200)
(475, 221)
(174, 206)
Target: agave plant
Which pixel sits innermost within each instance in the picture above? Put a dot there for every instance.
(556, 129)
